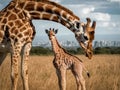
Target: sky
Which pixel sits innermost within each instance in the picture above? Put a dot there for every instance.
(106, 13)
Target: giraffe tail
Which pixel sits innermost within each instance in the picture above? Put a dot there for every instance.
(88, 74)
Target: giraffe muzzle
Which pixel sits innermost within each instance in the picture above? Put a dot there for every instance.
(89, 54)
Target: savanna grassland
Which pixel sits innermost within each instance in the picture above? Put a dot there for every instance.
(104, 70)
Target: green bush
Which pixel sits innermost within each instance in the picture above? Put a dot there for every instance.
(40, 51)
(99, 50)
(107, 50)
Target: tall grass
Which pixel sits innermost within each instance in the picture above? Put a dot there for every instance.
(104, 70)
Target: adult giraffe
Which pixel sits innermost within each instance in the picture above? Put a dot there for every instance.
(17, 31)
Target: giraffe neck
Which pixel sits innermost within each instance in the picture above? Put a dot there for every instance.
(48, 10)
(56, 46)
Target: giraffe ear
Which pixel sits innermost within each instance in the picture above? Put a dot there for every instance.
(94, 24)
(46, 31)
(56, 31)
(88, 21)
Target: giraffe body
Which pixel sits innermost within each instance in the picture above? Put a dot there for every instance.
(16, 36)
(17, 31)
(64, 61)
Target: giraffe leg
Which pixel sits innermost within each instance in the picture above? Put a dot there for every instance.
(61, 73)
(24, 65)
(77, 72)
(2, 57)
(14, 66)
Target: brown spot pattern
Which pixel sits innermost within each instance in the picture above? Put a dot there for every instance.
(12, 17)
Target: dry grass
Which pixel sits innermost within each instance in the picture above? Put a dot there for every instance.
(104, 70)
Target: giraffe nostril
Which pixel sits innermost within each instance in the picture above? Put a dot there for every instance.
(86, 37)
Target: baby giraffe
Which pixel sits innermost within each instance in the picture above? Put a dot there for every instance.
(64, 61)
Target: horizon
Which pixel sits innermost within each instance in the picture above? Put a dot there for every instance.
(71, 38)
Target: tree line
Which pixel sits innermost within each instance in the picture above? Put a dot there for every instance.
(99, 50)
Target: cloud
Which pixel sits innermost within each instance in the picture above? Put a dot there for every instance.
(101, 16)
(114, 0)
(1, 6)
(107, 24)
(87, 10)
(84, 11)
(58, 1)
(81, 9)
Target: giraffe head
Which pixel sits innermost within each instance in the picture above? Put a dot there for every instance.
(85, 36)
(51, 33)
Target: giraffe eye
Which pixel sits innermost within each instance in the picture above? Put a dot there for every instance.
(86, 37)
(75, 35)
(77, 25)
(92, 32)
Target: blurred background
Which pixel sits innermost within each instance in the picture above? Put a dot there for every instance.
(105, 12)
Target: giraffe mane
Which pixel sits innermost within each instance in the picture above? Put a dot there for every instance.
(70, 54)
(57, 5)
(65, 51)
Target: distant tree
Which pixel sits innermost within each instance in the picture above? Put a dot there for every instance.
(40, 51)
(99, 50)
(80, 51)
